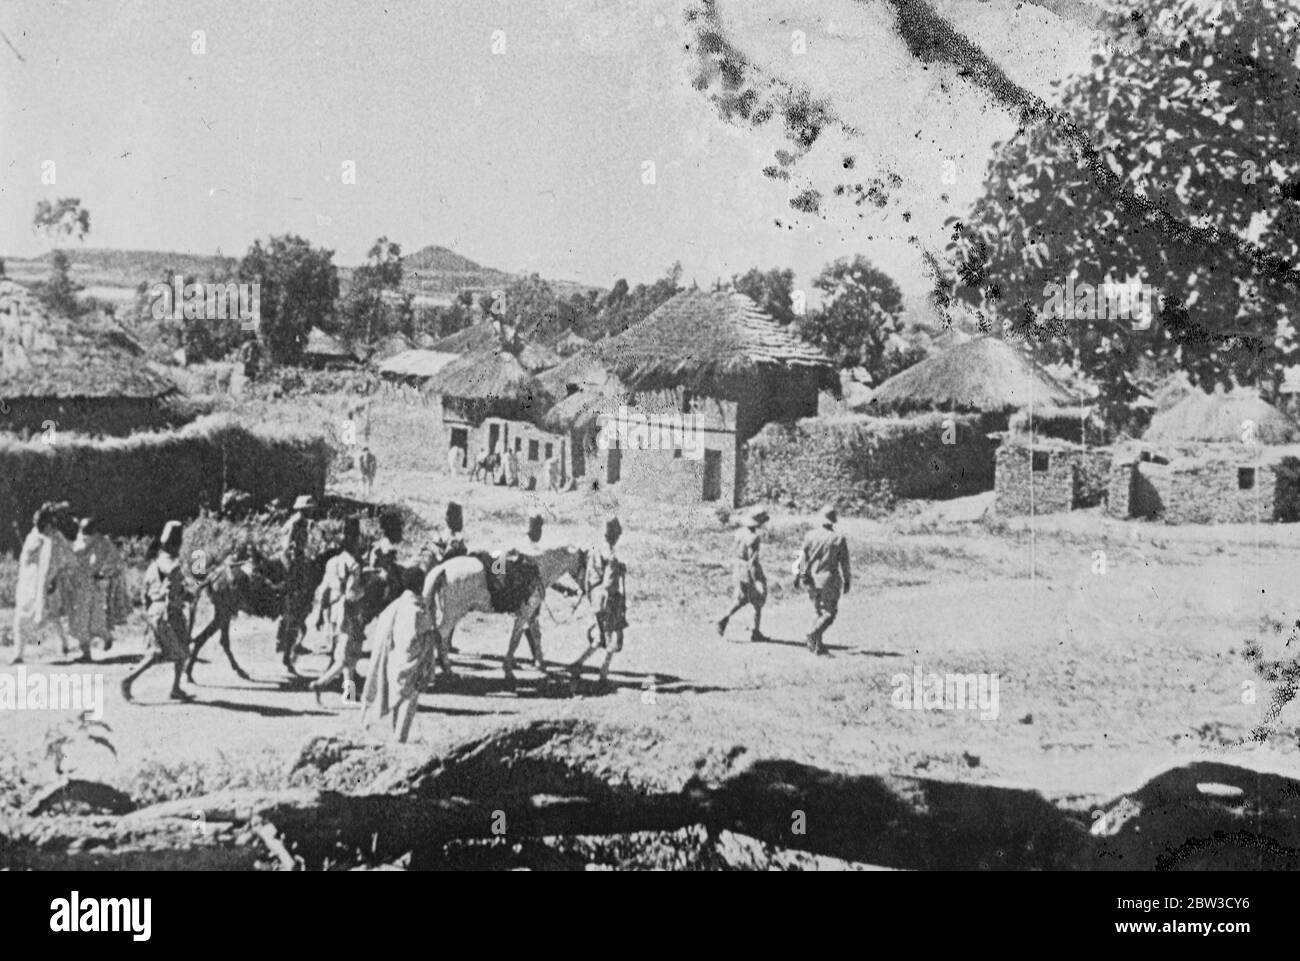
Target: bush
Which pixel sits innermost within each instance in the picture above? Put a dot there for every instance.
(1286, 504)
(135, 484)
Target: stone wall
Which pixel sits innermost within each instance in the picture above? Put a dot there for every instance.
(855, 462)
(1049, 477)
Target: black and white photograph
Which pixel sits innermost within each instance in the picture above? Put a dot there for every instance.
(651, 435)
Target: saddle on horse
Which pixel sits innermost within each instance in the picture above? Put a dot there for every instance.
(511, 579)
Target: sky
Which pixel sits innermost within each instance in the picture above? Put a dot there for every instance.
(515, 133)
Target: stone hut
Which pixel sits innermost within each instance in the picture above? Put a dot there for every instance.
(1211, 458)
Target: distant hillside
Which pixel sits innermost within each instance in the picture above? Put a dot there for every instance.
(434, 274)
(441, 260)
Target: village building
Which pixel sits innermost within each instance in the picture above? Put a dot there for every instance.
(674, 399)
(413, 368)
(488, 334)
(385, 347)
(323, 352)
(988, 389)
(488, 402)
(1226, 457)
(84, 375)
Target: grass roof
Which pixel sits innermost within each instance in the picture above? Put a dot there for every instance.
(485, 336)
(985, 374)
(1221, 418)
(702, 340)
(416, 364)
(491, 383)
(321, 344)
(43, 356)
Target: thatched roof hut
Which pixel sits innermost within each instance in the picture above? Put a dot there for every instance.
(1220, 418)
(488, 335)
(984, 374)
(415, 366)
(321, 349)
(582, 410)
(490, 383)
(708, 342)
(84, 374)
(387, 347)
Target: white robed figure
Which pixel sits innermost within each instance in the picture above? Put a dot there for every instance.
(105, 603)
(404, 644)
(44, 573)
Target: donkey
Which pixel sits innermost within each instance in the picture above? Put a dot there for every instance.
(257, 588)
(458, 586)
(487, 467)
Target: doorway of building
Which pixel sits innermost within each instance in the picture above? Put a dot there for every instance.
(460, 441)
(494, 437)
(712, 475)
(613, 465)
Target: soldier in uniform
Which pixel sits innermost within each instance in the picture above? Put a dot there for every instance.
(824, 570)
(295, 537)
(605, 585)
(165, 594)
(748, 577)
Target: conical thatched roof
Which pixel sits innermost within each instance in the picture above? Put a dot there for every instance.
(702, 340)
(491, 383)
(985, 374)
(486, 336)
(1220, 418)
(416, 364)
(580, 371)
(386, 347)
(43, 356)
(581, 410)
(321, 344)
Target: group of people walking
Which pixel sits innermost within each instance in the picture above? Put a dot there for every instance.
(822, 568)
(71, 580)
(76, 586)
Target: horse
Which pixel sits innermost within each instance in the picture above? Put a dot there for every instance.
(255, 587)
(487, 465)
(458, 586)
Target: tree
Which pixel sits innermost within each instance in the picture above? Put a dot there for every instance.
(59, 222)
(299, 285)
(368, 313)
(772, 290)
(1194, 116)
(860, 324)
(529, 305)
(623, 307)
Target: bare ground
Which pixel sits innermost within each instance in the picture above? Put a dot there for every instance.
(1112, 667)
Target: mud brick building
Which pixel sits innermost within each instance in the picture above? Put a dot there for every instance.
(687, 387)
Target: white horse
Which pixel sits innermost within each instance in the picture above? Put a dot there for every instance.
(458, 586)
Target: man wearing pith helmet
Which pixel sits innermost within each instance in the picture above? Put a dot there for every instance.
(824, 570)
(747, 573)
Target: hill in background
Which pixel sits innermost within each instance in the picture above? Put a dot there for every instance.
(433, 274)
